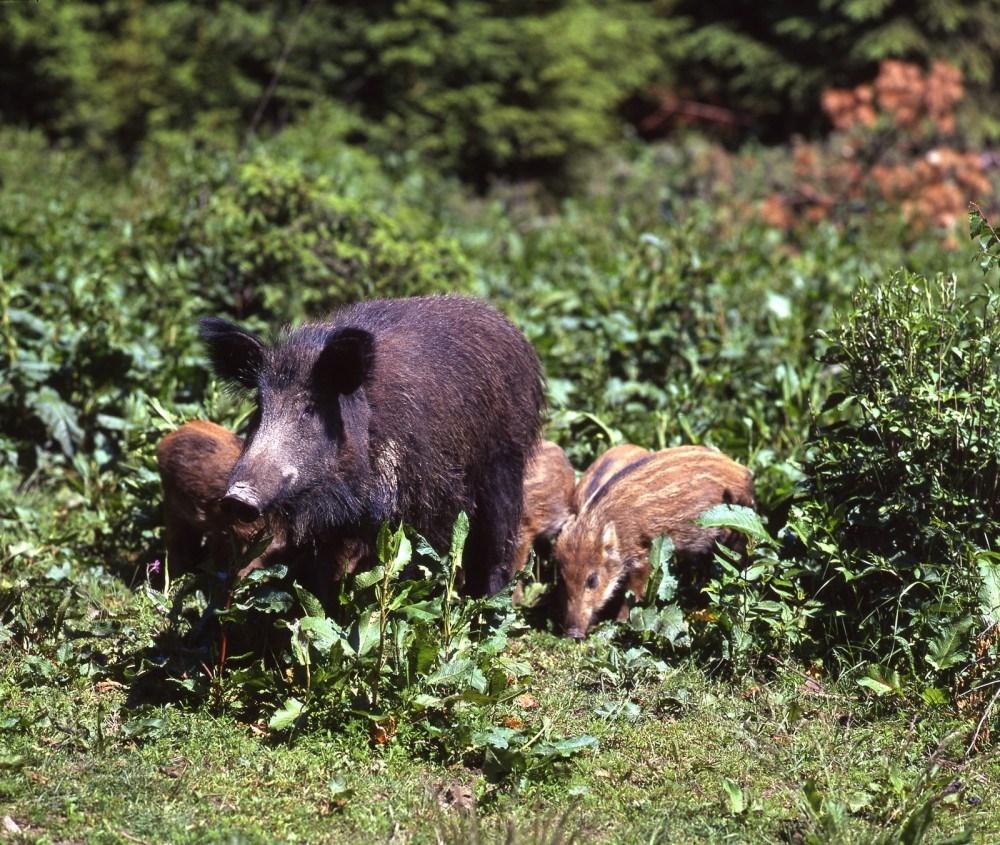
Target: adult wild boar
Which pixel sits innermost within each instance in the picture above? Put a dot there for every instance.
(392, 410)
(604, 550)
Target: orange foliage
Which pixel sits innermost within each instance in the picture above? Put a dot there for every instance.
(886, 148)
(902, 92)
(848, 108)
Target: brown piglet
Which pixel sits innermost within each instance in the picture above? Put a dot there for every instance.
(604, 549)
(614, 459)
(549, 482)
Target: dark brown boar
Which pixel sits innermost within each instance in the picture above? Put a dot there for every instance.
(549, 482)
(610, 462)
(195, 462)
(405, 410)
(604, 550)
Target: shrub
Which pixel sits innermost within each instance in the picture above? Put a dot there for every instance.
(271, 241)
(903, 468)
(482, 91)
(478, 91)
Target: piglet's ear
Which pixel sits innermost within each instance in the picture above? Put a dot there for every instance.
(236, 354)
(609, 540)
(346, 361)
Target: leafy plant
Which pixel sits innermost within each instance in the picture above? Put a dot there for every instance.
(402, 652)
(757, 607)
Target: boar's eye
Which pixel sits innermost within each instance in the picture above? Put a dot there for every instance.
(591, 581)
(308, 412)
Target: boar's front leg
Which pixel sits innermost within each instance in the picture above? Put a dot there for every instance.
(494, 528)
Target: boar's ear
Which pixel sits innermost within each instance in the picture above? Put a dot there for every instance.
(346, 360)
(236, 354)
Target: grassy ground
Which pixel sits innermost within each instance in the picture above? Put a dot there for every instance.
(681, 758)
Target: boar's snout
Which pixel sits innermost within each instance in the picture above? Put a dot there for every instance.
(241, 502)
(576, 632)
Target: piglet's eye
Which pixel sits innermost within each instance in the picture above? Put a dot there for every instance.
(591, 580)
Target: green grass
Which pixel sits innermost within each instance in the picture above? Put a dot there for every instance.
(72, 773)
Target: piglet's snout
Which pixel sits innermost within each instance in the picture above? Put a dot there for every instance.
(241, 502)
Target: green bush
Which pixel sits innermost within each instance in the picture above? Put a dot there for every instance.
(103, 284)
(658, 320)
(477, 90)
(402, 651)
(270, 241)
(903, 468)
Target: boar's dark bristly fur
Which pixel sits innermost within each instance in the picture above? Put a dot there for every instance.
(393, 410)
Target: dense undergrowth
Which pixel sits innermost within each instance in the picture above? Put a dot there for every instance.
(665, 311)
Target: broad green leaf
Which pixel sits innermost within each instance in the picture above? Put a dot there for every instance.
(404, 553)
(338, 788)
(285, 717)
(425, 549)
(459, 534)
(60, 572)
(877, 686)
(300, 646)
(320, 631)
(661, 552)
(256, 576)
(735, 800)
(494, 737)
(458, 671)
(144, 728)
(364, 580)
(945, 651)
(59, 417)
(310, 604)
(271, 600)
(364, 634)
(567, 747)
(989, 589)
(935, 697)
(422, 611)
(667, 623)
(738, 518)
